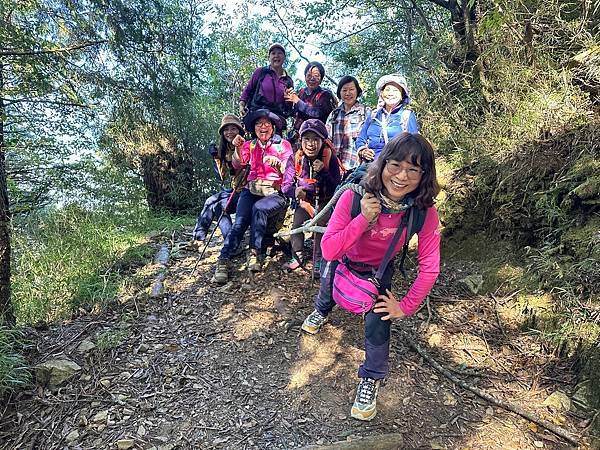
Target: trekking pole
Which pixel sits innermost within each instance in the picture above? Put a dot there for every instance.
(315, 233)
(213, 231)
(243, 175)
(314, 252)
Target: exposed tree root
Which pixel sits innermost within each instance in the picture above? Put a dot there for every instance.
(561, 432)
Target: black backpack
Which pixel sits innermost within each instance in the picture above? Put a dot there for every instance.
(258, 100)
(418, 219)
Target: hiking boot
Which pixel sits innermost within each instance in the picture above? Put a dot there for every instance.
(221, 271)
(238, 251)
(365, 403)
(313, 323)
(254, 261)
(295, 262)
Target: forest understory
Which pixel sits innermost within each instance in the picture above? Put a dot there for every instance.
(209, 366)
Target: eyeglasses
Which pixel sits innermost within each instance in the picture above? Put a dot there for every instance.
(412, 173)
(263, 124)
(311, 140)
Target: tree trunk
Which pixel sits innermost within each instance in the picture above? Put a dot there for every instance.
(464, 21)
(7, 315)
(168, 178)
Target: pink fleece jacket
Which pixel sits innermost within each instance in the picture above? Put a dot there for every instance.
(351, 237)
(259, 168)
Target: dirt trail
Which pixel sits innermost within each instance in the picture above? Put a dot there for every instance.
(227, 367)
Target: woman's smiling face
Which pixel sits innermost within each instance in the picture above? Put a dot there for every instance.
(313, 78)
(311, 144)
(263, 129)
(400, 178)
(391, 94)
(349, 93)
(229, 132)
(276, 57)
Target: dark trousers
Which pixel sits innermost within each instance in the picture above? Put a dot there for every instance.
(212, 210)
(297, 240)
(252, 211)
(377, 331)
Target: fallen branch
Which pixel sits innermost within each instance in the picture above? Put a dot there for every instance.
(161, 259)
(561, 432)
(389, 441)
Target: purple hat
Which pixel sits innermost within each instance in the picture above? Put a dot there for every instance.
(314, 125)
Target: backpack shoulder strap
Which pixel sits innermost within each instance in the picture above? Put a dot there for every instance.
(355, 211)
(415, 218)
(419, 220)
(264, 70)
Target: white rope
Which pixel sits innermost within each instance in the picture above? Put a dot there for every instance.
(310, 225)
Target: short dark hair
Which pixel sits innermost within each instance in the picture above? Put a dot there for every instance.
(419, 152)
(345, 80)
(319, 67)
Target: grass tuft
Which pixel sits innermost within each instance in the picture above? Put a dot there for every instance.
(14, 372)
(73, 258)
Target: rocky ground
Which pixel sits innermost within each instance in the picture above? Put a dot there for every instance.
(208, 366)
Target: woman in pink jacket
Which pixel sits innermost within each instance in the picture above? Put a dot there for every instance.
(271, 169)
(403, 174)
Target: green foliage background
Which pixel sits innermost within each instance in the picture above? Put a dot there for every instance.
(108, 107)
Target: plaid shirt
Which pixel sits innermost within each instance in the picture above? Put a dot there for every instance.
(343, 129)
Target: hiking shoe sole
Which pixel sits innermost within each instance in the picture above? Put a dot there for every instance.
(365, 416)
(311, 329)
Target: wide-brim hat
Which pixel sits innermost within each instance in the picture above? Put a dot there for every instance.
(394, 78)
(253, 117)
(231, 119)
(314, 125)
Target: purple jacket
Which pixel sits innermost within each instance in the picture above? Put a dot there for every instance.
(327, 179)
(316, 105)
(269, 94)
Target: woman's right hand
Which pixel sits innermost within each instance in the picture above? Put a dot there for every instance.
(366, 154)
(238, 141)
(300, 193)
(370, 207)
(243, 109)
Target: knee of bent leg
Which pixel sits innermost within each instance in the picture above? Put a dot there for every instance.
(377, 331)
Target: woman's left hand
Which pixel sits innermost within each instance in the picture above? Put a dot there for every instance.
(388, 304)
(273, 162)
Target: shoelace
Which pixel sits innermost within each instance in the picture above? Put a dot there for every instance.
(366, 391)
(315, 319)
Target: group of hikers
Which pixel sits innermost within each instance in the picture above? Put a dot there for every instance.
(387, 196)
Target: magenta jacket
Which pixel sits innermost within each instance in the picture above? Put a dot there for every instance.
(262, 170)
(353, 238)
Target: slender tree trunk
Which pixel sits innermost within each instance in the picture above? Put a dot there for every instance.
(6, 309)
